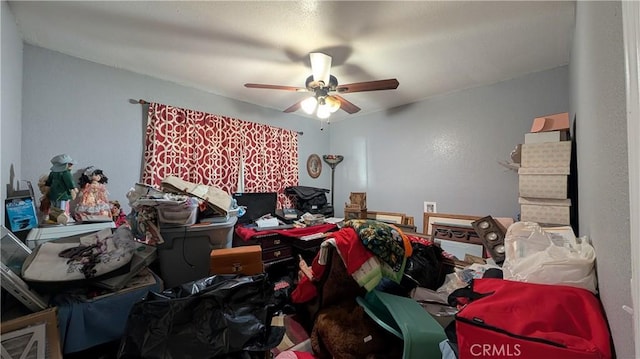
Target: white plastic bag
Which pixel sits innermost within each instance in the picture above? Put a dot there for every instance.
(548, 257)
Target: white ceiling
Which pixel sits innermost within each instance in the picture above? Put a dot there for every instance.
(431, 47)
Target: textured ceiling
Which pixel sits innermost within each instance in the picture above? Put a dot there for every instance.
(432, 48)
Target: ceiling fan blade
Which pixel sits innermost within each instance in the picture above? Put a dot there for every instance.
(320, 66)
(276, 87)
(293, 108)
(389, 84)
(346, 105)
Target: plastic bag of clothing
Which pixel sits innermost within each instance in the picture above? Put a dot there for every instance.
(549, 256)
(216, 317)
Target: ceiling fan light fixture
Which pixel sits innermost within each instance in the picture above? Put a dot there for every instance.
(320, 66)
(309, 105)
(323, 112)
(332, 103)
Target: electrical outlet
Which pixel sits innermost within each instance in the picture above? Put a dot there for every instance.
(430, 207)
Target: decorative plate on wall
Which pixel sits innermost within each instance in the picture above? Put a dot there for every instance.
(314, 166)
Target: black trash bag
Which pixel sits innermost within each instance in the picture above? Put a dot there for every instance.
(426, 266)
(222, 316)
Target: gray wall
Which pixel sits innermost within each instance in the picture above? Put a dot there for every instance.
(446, 149)
(82, 108)
(89, 116)
(65, 98)
(10, 105)
(598, 102)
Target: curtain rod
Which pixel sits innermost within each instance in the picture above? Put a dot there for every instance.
(144, 102)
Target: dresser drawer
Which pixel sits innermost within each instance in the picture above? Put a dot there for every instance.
(276, 254)
(272, 242)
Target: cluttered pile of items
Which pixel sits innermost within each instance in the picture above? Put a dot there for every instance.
(176, 203)
(93, 278)
(534, 294)
(258, 211)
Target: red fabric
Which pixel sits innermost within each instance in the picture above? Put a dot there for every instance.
(306, 288)
(416, 239)
(353, 252)
(246, 233)
(304, 291)
(525, 315)
(292, 354)
(211, 149)
(304, 355)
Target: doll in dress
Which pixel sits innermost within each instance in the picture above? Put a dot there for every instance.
(118, 215)
(94, 202)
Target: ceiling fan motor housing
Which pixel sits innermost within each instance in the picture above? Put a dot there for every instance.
(314, 85)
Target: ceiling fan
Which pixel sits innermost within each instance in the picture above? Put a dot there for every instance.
(325, 90)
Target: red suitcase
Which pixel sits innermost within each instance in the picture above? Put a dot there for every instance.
(509, 319)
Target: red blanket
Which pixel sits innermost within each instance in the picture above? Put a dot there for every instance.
(248, 233)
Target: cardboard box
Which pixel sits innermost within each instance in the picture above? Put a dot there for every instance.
(546, 154)
(558, 121)
(547, 211)
(245, 260)
(549, 136)
(354, 214)
(543, 186)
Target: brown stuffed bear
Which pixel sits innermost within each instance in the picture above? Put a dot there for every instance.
(342, 330)
(345, 331)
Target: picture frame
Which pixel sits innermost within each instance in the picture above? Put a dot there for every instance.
(13, 254)
(460, 219)
(430, 207)
(457, 248)
(389, 217)
(314, 166)
(31, 326)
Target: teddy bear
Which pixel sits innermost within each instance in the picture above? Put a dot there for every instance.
(346, 331)
(342, 329)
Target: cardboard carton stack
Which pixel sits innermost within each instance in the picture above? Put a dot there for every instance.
(544, 171)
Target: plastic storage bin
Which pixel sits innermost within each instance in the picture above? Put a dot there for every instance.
(185, 255)
(184, 213)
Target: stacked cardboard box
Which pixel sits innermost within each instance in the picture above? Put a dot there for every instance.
(357, 209)
(544, 171)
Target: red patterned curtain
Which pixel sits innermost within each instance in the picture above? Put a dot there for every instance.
(270, 160)
(210, 149)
